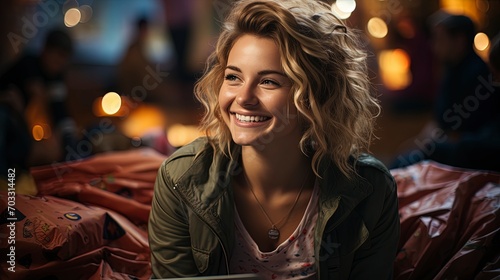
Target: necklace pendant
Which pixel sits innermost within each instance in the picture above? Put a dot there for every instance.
(273, 233)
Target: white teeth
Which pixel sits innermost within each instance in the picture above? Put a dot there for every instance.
(243, 118)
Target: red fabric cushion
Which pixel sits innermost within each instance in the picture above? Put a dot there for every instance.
(64, 239)
(449, 219)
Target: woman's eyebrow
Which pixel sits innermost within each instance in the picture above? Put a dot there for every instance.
(233, 68)
(267, 72)
(260, 73)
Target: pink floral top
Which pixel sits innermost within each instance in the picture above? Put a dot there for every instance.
(292, 259)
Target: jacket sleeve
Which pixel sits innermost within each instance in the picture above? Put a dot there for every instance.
(168, 229)
(375, 259)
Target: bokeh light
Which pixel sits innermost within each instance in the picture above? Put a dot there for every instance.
(179, 135)
(481, 41)
(86, 13)
(111, 103)
(395, 69)
(143, 120)
(346, 6)
(41, 131)
(461, 7)
(37, 132)
(339, 13)
(72, 17)
(377, 27)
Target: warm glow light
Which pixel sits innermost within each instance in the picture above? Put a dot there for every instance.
(461, 7)
(72, 17)
(395, 69)
(111, 103)
(453, 6)
(142, 120)
(86, 12)
(377, 27)
(481, 41)
(124, 110)
(346, 6)
(339, 13)
(41, 131)
(37, 132)
(179, 135)
(402, 58)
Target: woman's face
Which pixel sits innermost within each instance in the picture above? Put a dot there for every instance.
(255, 96)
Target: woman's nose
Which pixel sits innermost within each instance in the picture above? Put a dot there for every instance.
(246, 96)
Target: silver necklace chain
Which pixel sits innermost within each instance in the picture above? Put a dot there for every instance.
(274, 232)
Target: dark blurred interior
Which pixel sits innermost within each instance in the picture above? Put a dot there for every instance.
(132, 65)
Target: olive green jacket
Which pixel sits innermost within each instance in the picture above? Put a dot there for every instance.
(191, 225)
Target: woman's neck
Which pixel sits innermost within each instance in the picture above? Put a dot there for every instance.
(276, 171)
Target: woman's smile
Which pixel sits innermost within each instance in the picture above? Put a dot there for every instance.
(249, 120)
(243, 118)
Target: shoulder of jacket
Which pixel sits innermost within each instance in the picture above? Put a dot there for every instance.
(371, 168)
(190, 150)
(368, 161)
(183, 158)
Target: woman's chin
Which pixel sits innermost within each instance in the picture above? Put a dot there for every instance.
(246, 141)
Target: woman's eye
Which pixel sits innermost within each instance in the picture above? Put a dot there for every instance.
(230, 77)
(270, 83)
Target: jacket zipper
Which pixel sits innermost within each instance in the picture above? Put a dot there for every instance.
(210, 227)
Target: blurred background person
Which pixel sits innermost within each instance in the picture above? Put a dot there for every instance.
(466, 115)
(180, 19)
(33, 94)
(134, 64)
(463, 69)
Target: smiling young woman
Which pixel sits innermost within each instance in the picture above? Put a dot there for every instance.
(255, 94)
(280, 186)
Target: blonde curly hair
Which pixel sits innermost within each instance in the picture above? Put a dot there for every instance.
(325, 62)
